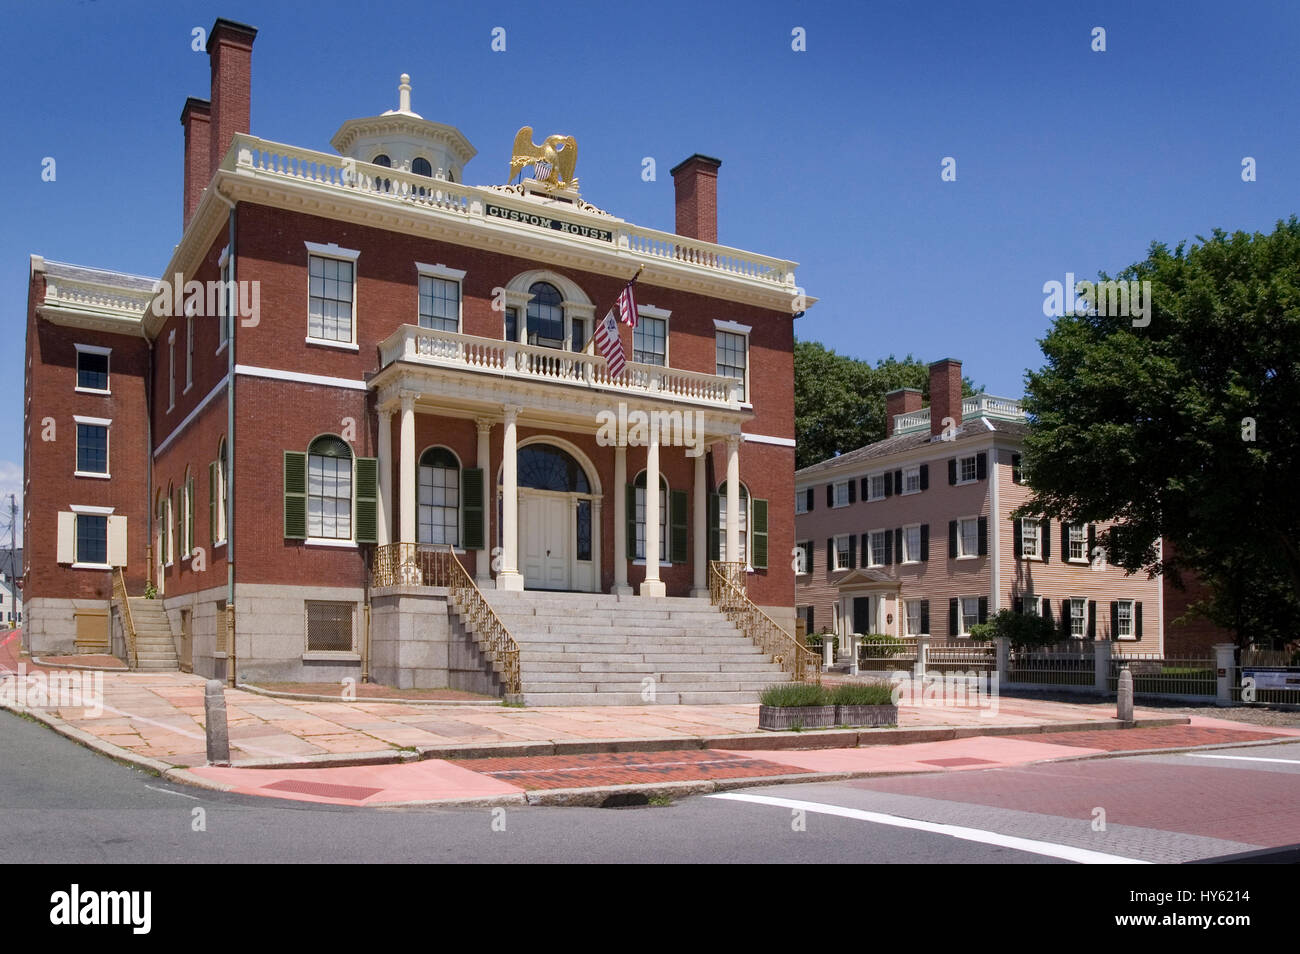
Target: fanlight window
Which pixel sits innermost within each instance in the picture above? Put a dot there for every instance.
(544, 467)
(546, 316)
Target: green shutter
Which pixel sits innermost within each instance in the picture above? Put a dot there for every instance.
(295, 495)
(678, 542)
(212, 501)
(189, 528)
(759, 556)
(630, 513)
(471, 495)
(715, 541)
(367, 530)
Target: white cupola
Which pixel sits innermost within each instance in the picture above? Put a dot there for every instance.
(402, 139)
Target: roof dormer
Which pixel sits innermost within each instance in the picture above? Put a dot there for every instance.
(403, 139)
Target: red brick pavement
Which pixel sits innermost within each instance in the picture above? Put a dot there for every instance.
(1165, 737)
(624, 768)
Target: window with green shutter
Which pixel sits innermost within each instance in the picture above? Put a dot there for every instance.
(759, 561)
(471, 483)
(295, 495)
(367, 484)
(679, 518)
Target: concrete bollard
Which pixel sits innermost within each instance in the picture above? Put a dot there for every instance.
(218, 730)
(1124, 696)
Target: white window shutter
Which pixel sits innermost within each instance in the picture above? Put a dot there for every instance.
(67, 546)
(117, 541)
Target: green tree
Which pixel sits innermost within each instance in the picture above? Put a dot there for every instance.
(839, 401)
(1187, 428)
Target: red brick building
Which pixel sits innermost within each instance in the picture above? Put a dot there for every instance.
(356, 350)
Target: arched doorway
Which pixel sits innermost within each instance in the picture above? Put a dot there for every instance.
(558, 519)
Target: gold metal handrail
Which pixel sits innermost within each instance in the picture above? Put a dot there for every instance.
(128, 621)
(727, 592)
(409, 564)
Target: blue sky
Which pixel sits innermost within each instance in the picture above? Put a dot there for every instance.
(1068, 160)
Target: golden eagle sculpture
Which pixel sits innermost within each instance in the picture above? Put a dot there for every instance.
(553, 161)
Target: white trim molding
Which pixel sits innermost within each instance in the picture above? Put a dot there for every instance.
(299, 377)
(96, 421)
(650, 311)
(733, 326)
(92, 511)
(440, 271)
(767, 439)
(333, 251)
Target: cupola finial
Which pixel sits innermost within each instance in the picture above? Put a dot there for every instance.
(404, 94)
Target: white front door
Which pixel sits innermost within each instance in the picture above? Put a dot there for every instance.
(544, 526)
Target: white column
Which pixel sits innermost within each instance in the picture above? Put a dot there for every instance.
(509, 578)
(733, 498)
(385, 530)
(700, 553)
(620, 520)
(483, 561)
(652, 585)
(595, 543)
(408, 468)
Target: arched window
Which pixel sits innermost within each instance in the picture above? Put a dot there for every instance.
(164, 527)
(743, 555)
(546, 316)
(382, 160)
(439, 497)
(546, 467)
(187, 516)
(640, 517)
(421, 167)
(329, 489)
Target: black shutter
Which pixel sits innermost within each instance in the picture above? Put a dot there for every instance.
(1067, 617)
(952, 539)
(925, 476)
(1015, 468)
(1018, 604)
(925, 542)
(954, 622)
(898, 544)
(984, 609)
(853, 551)
(1092, 619)
(830, 495)
(1017, 544)
(889, 484)
(984, 536)
(853, 496)
(925, 616)
(1047, 608)
(952, 471)
(1065, 542)
(888, 556)
(866, 549)
(810, 609)
(471, 489)
(629, 505)
(808, 550)
(898, 481)
(812, 499)
(981, 466)
(1114, 619)
(677, 543)
(1092, 541)
(1137, 619)
(830, 555)
(715, 535)
(1045, 544)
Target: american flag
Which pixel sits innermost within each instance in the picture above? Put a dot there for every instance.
(610, 345)
(627, 305)
(541, 170)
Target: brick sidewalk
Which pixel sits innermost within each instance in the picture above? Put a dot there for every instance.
(159, 716)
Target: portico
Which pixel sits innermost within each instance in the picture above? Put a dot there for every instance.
(547, 497)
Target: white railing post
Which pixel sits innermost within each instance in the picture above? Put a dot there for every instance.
(1101, 655)
(1225, 662)
(828, 650)
(1002, 647)
(922, 657)
(853, 655)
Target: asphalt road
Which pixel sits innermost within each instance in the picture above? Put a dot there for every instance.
(62, 803)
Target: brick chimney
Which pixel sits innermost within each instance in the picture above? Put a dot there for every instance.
(196, 117)
(945, 394)
(695, 182)
(230, 50)
(900, 402)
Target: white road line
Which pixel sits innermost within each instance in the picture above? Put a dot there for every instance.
(1050, 849)
(1242, 758)
(168, 791)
